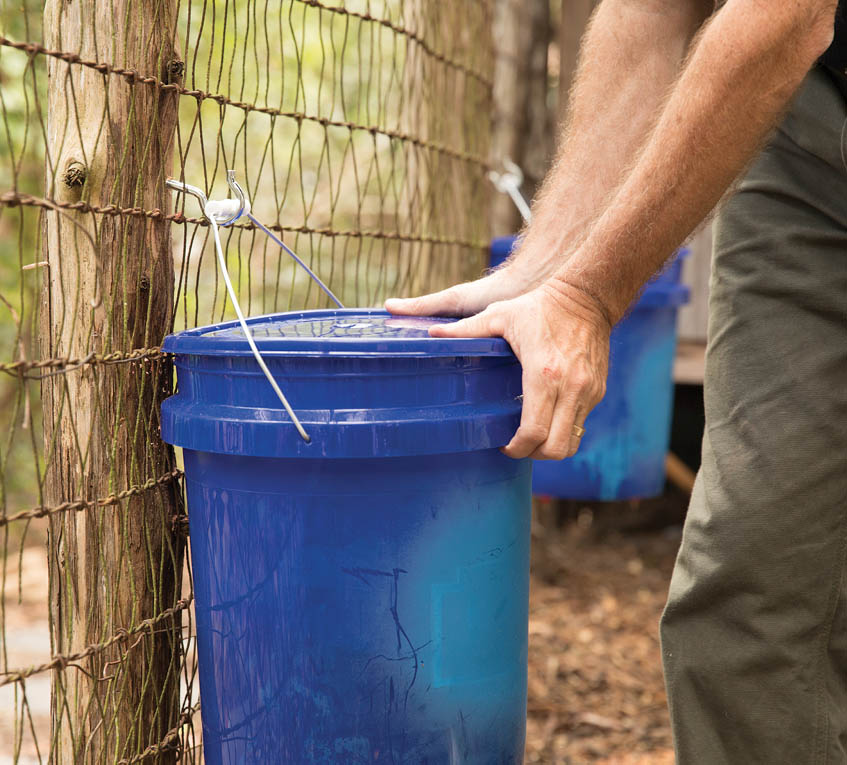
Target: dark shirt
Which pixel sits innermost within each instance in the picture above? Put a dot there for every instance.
(835, 58)
(836, 55)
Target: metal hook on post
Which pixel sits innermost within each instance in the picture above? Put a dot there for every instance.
(245, 210)
(186, 188)
(509, 182)
(239, 193)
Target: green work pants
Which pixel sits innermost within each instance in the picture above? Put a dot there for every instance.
(754, 635)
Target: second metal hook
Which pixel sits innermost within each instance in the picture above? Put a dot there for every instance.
(239, 193)
(509, 183)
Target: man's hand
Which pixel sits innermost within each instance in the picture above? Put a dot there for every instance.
(602, 230)
(562, 340)
(464, 299)
(632, 55)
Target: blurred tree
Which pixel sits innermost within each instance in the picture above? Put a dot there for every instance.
(575, 16)
(524, 103)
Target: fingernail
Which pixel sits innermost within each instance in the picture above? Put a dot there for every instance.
(395, 304)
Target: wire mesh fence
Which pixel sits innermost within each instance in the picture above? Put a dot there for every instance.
(360, 133)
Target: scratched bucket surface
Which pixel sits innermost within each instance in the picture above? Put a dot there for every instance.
(362, 598)
(627, 435)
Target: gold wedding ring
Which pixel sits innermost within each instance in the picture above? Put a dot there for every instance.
(578, 431)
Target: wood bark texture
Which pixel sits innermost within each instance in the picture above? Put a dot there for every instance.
(444, 195)
(109, 287)
(575, 17)
(523, 117)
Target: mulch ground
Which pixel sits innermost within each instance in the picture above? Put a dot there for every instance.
(596, 693)
(600, 577)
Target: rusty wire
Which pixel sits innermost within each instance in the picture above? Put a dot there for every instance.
(14, 199)
(63, 661)
(360, 130)
(86, 504)
(133, 77)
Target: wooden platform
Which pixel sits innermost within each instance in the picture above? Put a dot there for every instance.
(690, 363)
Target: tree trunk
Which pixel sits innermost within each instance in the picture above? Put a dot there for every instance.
(446, 198)
(575, 16)
(523, 119)
(109, 289)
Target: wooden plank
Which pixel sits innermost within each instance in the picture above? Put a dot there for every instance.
(696, 272)
(690, 363)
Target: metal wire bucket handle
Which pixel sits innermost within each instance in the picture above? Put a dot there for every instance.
(509, 182)
(224, 213)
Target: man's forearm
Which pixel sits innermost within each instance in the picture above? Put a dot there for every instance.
(631, 55)
(742, 72)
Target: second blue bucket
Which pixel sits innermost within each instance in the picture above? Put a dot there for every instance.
(622, 455)
(362, 598)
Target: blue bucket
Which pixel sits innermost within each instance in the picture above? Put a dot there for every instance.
(622, 455)
(363, 597)
(500, 249)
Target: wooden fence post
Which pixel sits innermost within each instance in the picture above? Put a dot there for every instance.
(109, 290)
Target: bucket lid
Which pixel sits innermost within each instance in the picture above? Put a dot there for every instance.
(336, 332)
(362, 383)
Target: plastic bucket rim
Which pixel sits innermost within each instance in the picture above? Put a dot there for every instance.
(198, 342)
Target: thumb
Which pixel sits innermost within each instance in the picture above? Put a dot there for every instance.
(445, 303)
(485, 324)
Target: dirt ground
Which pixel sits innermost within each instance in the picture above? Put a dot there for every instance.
(596, 693)
(595, 682)
(27, 643)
